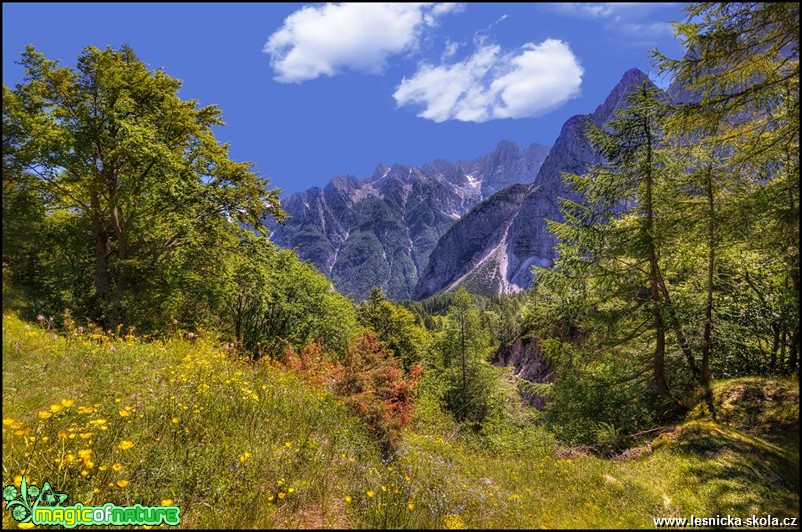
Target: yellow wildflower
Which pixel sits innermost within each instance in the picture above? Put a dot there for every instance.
(25, 526)
(56, 408)
(117, 467)
(167, 502)
(411, 505)
(125, 445)
(348, 498)
(281, 495)
(176, 420)
(66, 403)
(44, 414)
(8, 421)
(371, 493)
(124, 413)
(122, 483)
(453, 521)
(85, 435)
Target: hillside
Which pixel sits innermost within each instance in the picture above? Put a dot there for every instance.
(178, 343)
(234, 444)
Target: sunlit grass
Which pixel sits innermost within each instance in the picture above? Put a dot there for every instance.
(116, 420)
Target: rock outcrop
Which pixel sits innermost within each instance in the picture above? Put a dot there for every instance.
(525, 356)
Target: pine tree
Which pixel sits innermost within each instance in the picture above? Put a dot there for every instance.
(738, 87)
(463, 346)
(616, 231)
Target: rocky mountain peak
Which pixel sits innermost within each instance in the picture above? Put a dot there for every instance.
(506, 149)
(501, 261)
(617, 99)
(380, 171)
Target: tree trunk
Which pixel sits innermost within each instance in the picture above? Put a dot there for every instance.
(660, 351)
(708, 332)
(102, 276)
(672, 314)
(775, 346)
(462, 340)
(660, 382)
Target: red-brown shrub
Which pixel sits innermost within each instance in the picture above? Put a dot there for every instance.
(371, 381)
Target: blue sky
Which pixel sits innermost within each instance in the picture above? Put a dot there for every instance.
(310, 91)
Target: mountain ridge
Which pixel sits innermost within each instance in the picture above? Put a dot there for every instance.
(503, 264)
(379, 231)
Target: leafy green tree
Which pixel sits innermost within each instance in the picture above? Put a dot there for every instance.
(274, 300)
(135, 169)
(616, 232)
(395, 326)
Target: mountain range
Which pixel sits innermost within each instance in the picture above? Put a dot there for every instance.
(380, 231)
(415, 231)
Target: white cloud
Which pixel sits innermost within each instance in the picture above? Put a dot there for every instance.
(585, 9)
(450, 50)
(326, 40)
(648, 29)
(620, 17)
(490, 84)
(608, 9)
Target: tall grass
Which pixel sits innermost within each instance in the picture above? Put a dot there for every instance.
(112, 418)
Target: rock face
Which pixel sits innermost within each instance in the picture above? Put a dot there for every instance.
(527, 358)
(500, 260)
(381, 231)
(473, 252)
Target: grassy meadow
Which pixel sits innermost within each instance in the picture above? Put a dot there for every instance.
(111, 417)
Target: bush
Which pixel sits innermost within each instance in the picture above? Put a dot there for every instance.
(371, 381)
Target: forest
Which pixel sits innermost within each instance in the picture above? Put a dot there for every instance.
(669, 322)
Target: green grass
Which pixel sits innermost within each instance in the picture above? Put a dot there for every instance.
(237, 445)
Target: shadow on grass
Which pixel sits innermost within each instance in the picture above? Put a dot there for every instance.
(743, 475)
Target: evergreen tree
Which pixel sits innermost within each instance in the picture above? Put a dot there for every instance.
(464, 347)
(738, 87)
(616, 231)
